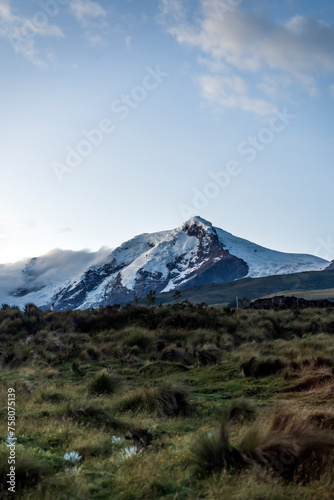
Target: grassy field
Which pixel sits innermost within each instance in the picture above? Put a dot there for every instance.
(177, 402)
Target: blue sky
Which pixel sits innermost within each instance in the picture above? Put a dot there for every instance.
(124, 117)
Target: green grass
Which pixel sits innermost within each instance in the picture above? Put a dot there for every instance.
(128, 379)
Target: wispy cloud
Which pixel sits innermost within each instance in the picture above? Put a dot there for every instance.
(87, 12)
(245, 44)
(170, 10)
(231, 92)
(22, 31)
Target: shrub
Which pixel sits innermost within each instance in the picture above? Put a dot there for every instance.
(143, 399)
(173, 401)
(288, 447)
(262, 367)
(104, 384)
(167, 400)
(139, 338)
(214, 453)
(241, 409)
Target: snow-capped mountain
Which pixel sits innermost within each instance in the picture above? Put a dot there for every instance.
(195, 253)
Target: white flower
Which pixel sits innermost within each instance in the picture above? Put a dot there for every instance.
(130, 451)
(115, 439)
(72, 456)
(10, 440)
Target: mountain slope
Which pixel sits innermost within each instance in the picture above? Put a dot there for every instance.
(311, 283)
(193, 254)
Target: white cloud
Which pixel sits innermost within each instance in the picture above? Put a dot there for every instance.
(243, 43)
(86, 11)
(170, 10)
(22, 31)
(231, 92)
(5, 11)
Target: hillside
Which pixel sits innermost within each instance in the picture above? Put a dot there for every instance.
(254, 288)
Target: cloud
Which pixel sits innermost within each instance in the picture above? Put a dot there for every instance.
(22, 31)
(53, 267)
(5, 10)
(86, 12)
(230, 92)
(170, 10)
(247, 44)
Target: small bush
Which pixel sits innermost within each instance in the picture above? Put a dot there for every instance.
(166, 400)
(288, 447)
(173, 401)
(262, 367)
(104, 384)
(214, 453)
(143, 399)
(241, 409)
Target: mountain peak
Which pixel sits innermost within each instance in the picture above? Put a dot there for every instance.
(196, 221)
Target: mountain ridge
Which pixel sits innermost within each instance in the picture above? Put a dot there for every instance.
(196, 253)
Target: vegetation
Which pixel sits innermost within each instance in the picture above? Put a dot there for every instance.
(170, 402)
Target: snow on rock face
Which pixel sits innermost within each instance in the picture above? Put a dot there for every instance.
(195, 253)
(264, 262)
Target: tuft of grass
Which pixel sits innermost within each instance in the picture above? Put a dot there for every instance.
(262, 367)
(214, 453)
(288, 447)
(92, 414)
(51, 396)
(104, 383)
(166, 400)
(241, 409)
(173, 401)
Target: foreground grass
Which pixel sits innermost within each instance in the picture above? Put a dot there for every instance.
(170, 403)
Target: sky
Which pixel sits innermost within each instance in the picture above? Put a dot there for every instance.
(121, 117)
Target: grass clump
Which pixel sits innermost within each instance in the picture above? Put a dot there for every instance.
(214, 453)
(92, 414)
(288, 447)
(166, 400)
(104, 383)
(241, 409)
(262, 366)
